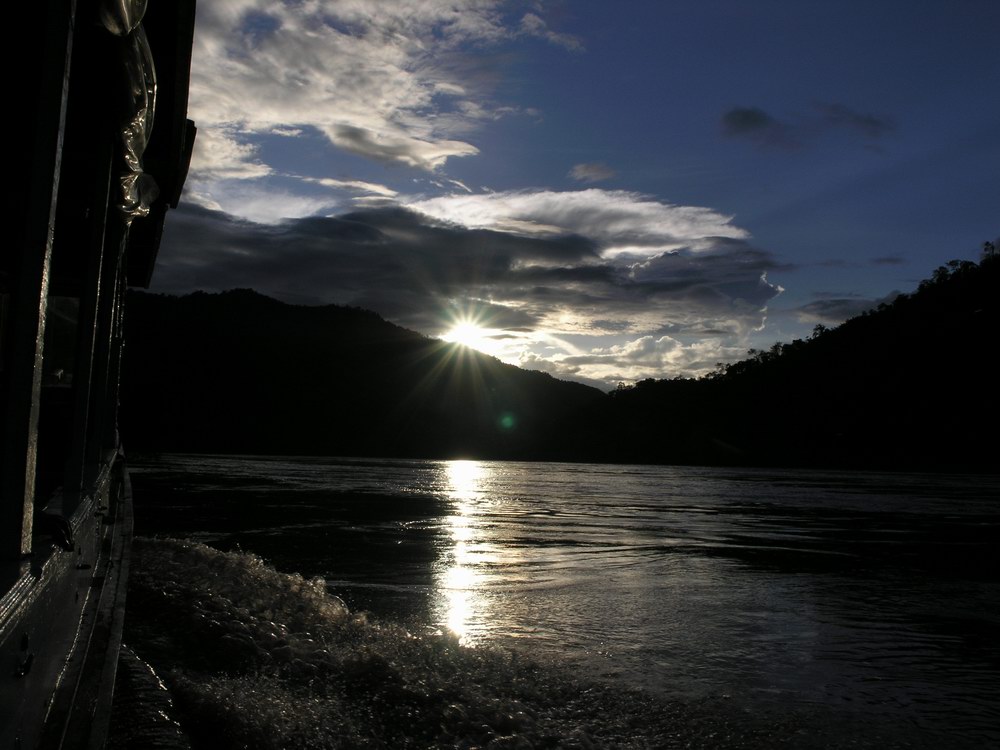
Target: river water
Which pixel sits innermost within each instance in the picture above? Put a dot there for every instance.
(863, 594)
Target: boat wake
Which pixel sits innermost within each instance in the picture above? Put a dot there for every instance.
(262, 659)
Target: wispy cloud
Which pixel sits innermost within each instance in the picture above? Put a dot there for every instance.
(834, 310)
(222, 155)
(623, 223)
(756, 125)
(533, 25)
(869, 125)
(353, 185)
(764, 129)
(592, 172)
(385, 81)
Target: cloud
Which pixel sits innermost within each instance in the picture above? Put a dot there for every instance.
(754, 124)
(353, 185)
(872, 126)
(400, 147)
(386, 81)
(220, 155)
(593, 172)
(538, 291)
(264, 204)
(647, 357)
(757, 126)
(834, 310)
(533, 25)
(638, 359)
(624, 223)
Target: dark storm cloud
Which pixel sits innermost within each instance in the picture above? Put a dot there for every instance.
(733, 269)
(390, 260)
(421, 272)
(568, 274)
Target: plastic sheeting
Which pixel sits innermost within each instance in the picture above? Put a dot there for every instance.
(139, 190)
(121, 17)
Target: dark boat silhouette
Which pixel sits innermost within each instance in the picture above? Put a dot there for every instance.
(99, 103)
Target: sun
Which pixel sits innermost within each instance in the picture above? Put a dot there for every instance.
(472, 335)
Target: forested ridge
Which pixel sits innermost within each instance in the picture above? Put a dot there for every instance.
(238, 372)
(908, 385)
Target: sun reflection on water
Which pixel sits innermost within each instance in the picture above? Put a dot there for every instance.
(459, 579)
(465, 479)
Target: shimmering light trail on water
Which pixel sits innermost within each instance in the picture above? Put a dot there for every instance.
(868, 593)
(459, 575)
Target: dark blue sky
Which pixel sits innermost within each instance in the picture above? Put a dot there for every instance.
(612, 190)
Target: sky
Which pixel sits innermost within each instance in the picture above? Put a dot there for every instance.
(605, 191)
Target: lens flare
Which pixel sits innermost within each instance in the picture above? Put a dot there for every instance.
(468, 334)
(473, 335)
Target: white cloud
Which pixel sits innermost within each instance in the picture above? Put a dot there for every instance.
(378, 79)
(356, 185)
(623, 222)
(533, 25)
(637, 359)
(220, 155)
(462, 185)
(263, 205)
(396, 145)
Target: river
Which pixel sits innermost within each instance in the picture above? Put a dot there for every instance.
(861, 595)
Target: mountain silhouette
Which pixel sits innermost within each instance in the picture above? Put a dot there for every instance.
(238, 372)
(909, 385)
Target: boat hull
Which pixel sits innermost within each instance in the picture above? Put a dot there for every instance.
(61, 625)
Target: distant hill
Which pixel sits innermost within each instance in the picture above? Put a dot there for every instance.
(910, 385)
(238, 372)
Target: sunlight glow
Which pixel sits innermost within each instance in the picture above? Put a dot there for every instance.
(460, 578)
(469, 333)
(464, 478)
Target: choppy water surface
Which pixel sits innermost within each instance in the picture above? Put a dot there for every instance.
(874, 594)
